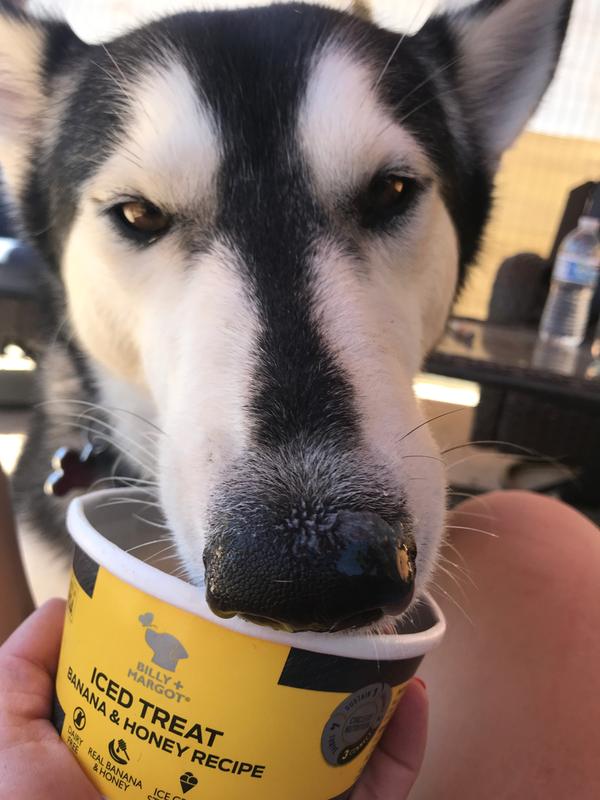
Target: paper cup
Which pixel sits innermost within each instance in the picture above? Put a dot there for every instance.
(159, 699)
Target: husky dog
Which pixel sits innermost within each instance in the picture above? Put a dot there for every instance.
(255, 223)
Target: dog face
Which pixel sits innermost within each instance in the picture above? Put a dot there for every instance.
(260, 219)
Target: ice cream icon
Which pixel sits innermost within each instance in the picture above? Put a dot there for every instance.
(168, 651)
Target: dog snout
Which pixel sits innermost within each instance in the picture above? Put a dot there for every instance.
(317, 570)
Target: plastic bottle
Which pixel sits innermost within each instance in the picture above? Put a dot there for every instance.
(574, 280)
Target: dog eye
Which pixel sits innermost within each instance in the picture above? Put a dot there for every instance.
(142, 219)
(386, 197)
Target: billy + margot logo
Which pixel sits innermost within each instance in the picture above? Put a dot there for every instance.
(168, 651)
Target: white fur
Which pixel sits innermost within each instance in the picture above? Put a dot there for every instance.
(203, 403)
(346, 134)
(171, 153)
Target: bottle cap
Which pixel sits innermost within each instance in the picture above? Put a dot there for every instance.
(592, 209)
(589, 223)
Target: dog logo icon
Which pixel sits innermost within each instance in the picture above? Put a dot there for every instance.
(168, 651)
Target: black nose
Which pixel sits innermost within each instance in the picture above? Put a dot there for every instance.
(318, 571)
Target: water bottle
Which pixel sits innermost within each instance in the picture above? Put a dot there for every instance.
(574, 280)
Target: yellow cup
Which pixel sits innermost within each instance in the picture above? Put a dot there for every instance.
(159, 699)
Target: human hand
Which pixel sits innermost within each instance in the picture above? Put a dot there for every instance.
(395, 764)
(34, 762)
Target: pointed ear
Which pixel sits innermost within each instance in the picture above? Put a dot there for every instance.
(361, 9)
(27, 48)
(21, 54)
(506, 53)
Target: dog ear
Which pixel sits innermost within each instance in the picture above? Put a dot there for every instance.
(21, 54)
(28, 47)
(361, 9)
(504, 54)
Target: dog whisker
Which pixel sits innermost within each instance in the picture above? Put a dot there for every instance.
(462, 573)
(160, 525)
(533, 455)
(434, 98)
(437, 588)
(130, 501)
(430, 458)
(434, 74)
(472, 530)
(475, 498)
(104, 409)
(397, 47)
(445, 571)
(430, 420)
(182, 572)
(455, 550)
(477, 514)
(374, 640)
(123, 501)
(463, 568)
(438, 95)
(149, 487)
(123, 86)
(147, 544)
(87, 416)
(168, 549)
(105, 437)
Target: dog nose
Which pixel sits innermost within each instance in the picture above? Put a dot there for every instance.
(315, 572)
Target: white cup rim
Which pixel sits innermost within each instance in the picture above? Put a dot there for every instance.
(179, 593)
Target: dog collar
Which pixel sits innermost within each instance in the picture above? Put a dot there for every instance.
(76, 469)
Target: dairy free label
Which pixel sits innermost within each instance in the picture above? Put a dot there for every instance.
(354, 723)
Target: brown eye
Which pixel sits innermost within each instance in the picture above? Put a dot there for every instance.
(386, 191)
(142, 219)
(385, 198)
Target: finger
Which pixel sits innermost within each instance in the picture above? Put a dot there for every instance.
(15, 598)
(5, 507)
(37, 640)
(396, 762)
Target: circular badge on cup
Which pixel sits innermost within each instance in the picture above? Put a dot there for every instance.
(354, 723)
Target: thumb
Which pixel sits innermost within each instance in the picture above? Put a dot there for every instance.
(395, 764)
(37, 640)
(28, 662)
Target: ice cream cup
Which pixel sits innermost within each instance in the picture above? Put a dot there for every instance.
(159, 699)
